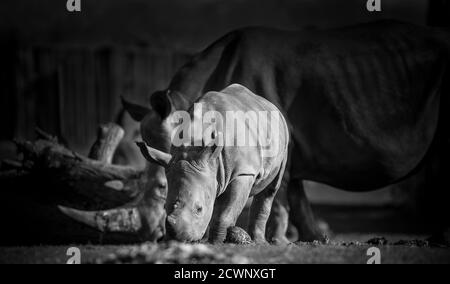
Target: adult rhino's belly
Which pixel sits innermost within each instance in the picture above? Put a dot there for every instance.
(328, 155)
(326, 151)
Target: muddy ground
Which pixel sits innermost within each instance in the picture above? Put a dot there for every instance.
(32, 240)
(348, 248)
(401, 239)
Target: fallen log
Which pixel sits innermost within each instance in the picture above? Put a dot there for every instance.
(108, 138)
(93, 180)
(73, 183)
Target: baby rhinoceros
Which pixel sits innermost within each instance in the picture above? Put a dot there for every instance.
(230, 146)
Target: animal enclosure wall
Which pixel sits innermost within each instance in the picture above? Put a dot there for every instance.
(69, 90)
(65, 72)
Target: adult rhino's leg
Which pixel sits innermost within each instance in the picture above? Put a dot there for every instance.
(301, 213)
(228, 207)
(278, 223)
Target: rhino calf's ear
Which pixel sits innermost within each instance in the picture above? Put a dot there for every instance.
(137, 112)
(153, 155)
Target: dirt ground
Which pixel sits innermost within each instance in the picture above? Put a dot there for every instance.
(348, 248)
(47, 242)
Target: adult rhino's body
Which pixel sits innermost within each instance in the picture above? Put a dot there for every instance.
(364, 103)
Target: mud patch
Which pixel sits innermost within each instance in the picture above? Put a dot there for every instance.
(171, 253)
(382, 241)
(377, 241)
(412, 243)
(348, 244)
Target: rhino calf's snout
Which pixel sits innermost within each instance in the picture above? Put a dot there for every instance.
(179, 227)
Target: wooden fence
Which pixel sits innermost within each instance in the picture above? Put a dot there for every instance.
(69, 90)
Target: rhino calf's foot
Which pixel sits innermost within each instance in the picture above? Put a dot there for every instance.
(218, 233)
(259, 215)
(283, 240)
(229, 206)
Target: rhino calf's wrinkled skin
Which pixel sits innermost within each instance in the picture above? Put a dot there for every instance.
(209, 185)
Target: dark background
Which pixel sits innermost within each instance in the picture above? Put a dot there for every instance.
(64, 72)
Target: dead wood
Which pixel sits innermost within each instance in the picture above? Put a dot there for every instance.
(93, 178)
(108, 138)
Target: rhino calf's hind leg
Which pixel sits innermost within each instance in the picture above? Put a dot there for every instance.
(259, 214)
(228, 207)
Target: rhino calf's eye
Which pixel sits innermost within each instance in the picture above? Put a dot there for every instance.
(198, 209)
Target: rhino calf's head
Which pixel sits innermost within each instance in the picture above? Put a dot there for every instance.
(192, 188)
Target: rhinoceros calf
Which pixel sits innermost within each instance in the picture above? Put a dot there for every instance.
(210, 184)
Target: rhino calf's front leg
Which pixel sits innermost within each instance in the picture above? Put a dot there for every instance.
(229, 206)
